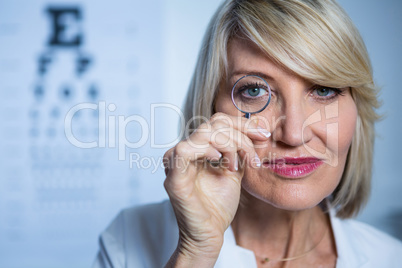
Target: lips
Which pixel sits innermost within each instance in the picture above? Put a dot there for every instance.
(297, 167)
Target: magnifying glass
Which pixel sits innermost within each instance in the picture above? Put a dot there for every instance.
(251, 94)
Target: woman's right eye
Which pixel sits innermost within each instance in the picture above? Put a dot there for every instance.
(254, 92)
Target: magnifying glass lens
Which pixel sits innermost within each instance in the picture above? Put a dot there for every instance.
(251, 94)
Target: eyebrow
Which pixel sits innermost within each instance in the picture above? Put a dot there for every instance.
(257, 73)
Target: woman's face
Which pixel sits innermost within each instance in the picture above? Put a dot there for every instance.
(312, 128)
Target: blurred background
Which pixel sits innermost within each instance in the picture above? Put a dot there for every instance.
(90, 93)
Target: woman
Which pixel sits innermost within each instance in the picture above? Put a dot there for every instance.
(274, 188)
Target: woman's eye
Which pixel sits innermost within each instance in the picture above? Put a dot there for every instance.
(255, 92)
(326, 92)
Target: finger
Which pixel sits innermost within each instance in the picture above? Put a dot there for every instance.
(255, 128)
(192, 151)
(166, 160)
(183, 156)
(231, 143)
(230, 160)
(228, 143)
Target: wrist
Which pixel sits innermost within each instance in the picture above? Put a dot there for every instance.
(184, 258)
(188, 255)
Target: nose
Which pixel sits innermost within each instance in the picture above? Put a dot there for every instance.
(290, 129)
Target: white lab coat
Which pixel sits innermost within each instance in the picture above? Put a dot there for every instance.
(146, 236)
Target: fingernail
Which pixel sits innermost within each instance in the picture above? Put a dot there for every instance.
(264, 132)
(235, 164)
(257, 160)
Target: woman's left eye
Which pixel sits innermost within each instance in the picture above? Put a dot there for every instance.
(326, 92)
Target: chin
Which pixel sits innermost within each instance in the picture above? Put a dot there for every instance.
(286, 195)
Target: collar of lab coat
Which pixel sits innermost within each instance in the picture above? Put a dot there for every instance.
(349, 256)
(347, 248)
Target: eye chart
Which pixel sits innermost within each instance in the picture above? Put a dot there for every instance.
(81, 87)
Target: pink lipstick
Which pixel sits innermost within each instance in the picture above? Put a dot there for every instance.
(293, 167)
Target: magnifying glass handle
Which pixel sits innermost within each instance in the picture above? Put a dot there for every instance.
(247, 115)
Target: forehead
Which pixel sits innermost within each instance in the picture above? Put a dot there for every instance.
(245, 57)
(243, 52)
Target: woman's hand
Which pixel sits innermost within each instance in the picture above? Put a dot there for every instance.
(203, 182)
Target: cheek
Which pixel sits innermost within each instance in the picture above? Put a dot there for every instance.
(337, 129)
(347, 125)
(223, 103)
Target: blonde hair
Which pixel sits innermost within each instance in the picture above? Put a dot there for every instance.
(314, 39)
